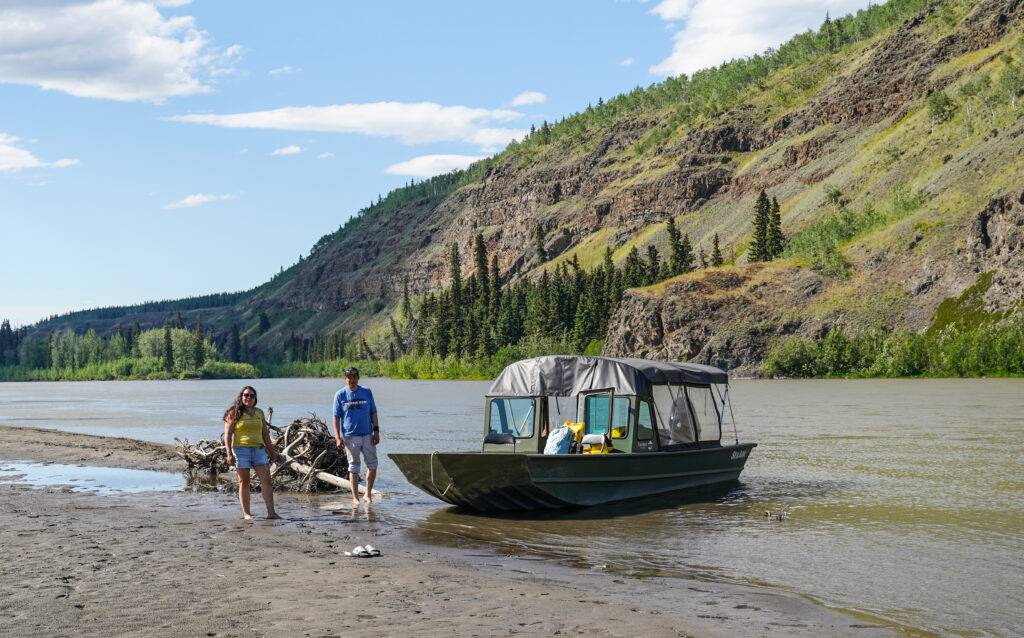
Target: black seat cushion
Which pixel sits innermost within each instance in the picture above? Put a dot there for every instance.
(500, 438)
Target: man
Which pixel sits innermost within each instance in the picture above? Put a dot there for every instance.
(356, 429)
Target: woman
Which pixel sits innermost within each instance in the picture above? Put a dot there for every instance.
(247, 436)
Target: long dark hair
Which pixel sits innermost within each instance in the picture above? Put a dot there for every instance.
(235, 410)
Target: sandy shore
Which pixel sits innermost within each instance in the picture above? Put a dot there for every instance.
(180, 563)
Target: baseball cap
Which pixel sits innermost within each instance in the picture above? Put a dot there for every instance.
(351, 372)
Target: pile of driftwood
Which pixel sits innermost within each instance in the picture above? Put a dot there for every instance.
(307, 458)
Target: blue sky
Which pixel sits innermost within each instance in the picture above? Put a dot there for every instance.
(161, 149)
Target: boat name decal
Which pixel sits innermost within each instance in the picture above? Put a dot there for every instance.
(738, 454)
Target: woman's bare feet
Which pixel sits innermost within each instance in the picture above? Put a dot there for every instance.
(367, 498)
(272, 516)
(247, 517)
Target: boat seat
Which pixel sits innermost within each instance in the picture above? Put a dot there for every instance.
(500, 438)
(596, 444)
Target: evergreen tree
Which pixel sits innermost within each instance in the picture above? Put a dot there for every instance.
(776, 240)
(633, 271)
(168, 349)
(406, 303)
(396, 337)
(653, 269)
(244, 354)
(686, 254)
(760, 249)
(234, 344)
(538, 233)
(264, 324)
(716, 252)
(455, 274)
(480, 257)
(675, 245)
(495, 295)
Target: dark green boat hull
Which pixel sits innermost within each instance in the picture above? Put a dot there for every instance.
(492, 481)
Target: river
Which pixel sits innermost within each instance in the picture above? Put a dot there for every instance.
(905, 497)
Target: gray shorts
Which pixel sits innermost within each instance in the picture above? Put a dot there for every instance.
(356, 446)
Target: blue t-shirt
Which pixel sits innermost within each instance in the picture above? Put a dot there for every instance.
(354, 408)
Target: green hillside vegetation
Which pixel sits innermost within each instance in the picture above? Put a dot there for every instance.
(904, 185)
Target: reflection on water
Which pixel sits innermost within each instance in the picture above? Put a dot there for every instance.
(87, 478)
(904, 497)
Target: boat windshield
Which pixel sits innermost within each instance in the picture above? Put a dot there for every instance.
(513, 416)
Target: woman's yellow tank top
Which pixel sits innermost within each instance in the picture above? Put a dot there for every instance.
(249, 430)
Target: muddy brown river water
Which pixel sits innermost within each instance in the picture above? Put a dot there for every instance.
(905, 497)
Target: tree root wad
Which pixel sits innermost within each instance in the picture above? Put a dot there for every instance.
(307, 458)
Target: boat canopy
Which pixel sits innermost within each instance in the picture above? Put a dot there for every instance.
(569, 375)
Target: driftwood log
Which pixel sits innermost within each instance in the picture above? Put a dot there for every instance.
(307, 458)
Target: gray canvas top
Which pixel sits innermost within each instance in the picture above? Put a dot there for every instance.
(568, 375)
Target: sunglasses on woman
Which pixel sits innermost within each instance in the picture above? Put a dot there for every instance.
(248, 394)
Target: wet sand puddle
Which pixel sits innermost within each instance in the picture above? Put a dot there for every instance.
(87, 478)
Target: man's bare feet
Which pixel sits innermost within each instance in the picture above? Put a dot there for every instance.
(247, 517)
(367, 498)
(272, 516)
(355, 502)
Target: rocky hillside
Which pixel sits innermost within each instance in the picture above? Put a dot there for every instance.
(846, 124)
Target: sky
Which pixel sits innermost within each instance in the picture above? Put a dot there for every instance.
(157, 149)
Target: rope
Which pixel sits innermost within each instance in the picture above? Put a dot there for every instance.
(450, 482)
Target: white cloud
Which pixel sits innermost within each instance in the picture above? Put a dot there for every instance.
(13, 158)
(293, 149)
(243, 151)
(716, 31)
(110, 49)
(410, 123)
(196, 199)
(673, 9)
(283, 70)
(325, 155)
(430, 165)
(529, 97)
(173, 4)
(627, 62)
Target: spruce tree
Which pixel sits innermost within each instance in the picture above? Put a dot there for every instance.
(234, 344)
(633, 269)
(776, 240)
(686, 254)
(168, 348)
(675, 243)
(406, 303)
(716, 252)
(396, 336)
(542, 253)
(243, 352)
(653, 269)
(495, 294)
(455, 274)
(480, 257)
(759, 248)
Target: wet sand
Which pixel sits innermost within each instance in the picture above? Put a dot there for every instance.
(181, 563)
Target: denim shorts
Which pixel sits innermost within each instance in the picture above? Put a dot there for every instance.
(249, 457)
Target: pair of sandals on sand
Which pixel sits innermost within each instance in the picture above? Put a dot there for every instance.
(361, 551)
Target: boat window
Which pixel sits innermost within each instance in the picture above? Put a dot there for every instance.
(560, 410)
(597, 413)
(706, 412)
(620, 417)
(675, 423)
(644, 422)
(512, 416)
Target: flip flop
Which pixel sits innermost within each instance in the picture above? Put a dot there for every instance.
(358, 552)
(373, 551)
